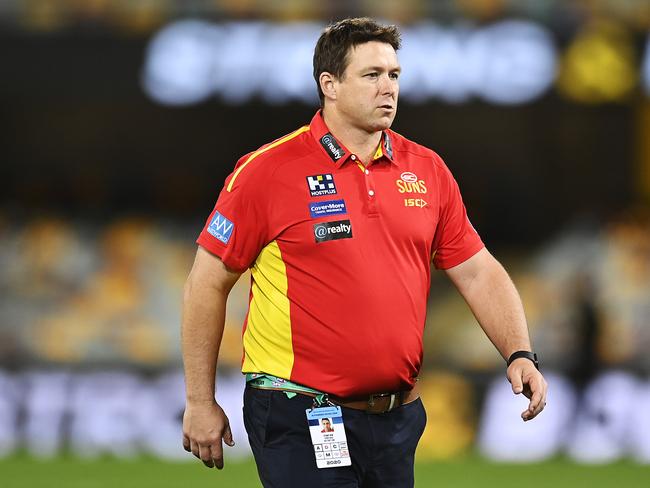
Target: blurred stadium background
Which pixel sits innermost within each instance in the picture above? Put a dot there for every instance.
(119, 120)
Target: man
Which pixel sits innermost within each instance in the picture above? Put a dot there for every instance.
(339, 222)
(327, 426)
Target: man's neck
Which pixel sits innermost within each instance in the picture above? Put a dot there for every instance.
(360, 142)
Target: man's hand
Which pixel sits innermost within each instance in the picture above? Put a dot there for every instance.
(205, 425)
(524, 378)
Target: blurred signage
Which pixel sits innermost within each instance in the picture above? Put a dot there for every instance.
(109, 412)
(125, 414)
(190, 61)
(646, 67)
(599, 65)
(506, 63)
(601, 424)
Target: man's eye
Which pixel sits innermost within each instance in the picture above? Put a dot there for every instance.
(372, 75)
(394, 76)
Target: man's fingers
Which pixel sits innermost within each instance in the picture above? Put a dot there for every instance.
(517, 385)
(211, 454)
(216, 452)
(536, 393)
(533, 406)
(537, 403)
(525, 379)
(206, 455)
(227, 436)
(194, 447)
(531, 414)
(205, 427)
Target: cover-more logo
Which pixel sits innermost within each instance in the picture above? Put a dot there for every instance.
(332, 231)
(221, 227)
(320, 185)
(330, 207)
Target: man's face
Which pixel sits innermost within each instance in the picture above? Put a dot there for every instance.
(366, 94)
(326, 424)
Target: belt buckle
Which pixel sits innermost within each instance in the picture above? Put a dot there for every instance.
(391, 405)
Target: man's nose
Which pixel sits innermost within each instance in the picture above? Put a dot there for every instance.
(387, 85)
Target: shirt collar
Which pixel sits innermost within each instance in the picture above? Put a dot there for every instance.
(336, 151)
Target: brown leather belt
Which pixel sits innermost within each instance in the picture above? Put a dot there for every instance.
(380, 402)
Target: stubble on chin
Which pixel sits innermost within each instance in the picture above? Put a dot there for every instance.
(383, 124)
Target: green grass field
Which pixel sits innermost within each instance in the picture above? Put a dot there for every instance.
(68, 472)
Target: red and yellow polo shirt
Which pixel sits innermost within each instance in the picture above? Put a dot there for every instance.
(340, 256)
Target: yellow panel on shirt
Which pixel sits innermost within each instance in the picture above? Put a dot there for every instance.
(267, 338)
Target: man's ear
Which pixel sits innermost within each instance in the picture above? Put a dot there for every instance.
(328, 83)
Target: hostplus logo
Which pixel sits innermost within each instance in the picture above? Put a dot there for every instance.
(320, 185)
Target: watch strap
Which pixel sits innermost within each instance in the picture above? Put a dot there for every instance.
(524, 354)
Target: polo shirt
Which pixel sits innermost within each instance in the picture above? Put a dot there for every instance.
(340, 256)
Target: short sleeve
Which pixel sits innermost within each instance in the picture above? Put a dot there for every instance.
(455, 239)
(236, 230)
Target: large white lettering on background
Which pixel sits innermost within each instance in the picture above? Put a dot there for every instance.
(188, 62)
(509, 62)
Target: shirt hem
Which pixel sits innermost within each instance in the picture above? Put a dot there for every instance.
(219, 251)
(459, 258)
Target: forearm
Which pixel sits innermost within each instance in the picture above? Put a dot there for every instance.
(204, 310)
(493, 298)
(496, 304)
(494, 301)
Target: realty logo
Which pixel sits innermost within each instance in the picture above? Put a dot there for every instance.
(320, 185)
(332, 231)
(221, 227)
(332, 147)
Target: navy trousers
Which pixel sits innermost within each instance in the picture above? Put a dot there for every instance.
(382, 446)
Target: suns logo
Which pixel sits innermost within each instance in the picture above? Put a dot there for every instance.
(409, 183)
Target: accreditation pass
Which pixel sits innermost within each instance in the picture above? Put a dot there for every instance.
(328, 437)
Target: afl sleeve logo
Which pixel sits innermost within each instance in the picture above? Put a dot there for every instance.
(320, 185)
(332, 231)
(221, 227)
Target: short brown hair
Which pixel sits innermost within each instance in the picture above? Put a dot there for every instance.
(334, 44)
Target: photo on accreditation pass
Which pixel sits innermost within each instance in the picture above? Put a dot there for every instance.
(328, 437)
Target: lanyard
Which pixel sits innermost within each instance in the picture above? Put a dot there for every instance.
(291, 389)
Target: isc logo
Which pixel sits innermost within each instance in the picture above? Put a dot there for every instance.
(415, 202)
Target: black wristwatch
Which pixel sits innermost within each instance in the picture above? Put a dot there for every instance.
(523, 354)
